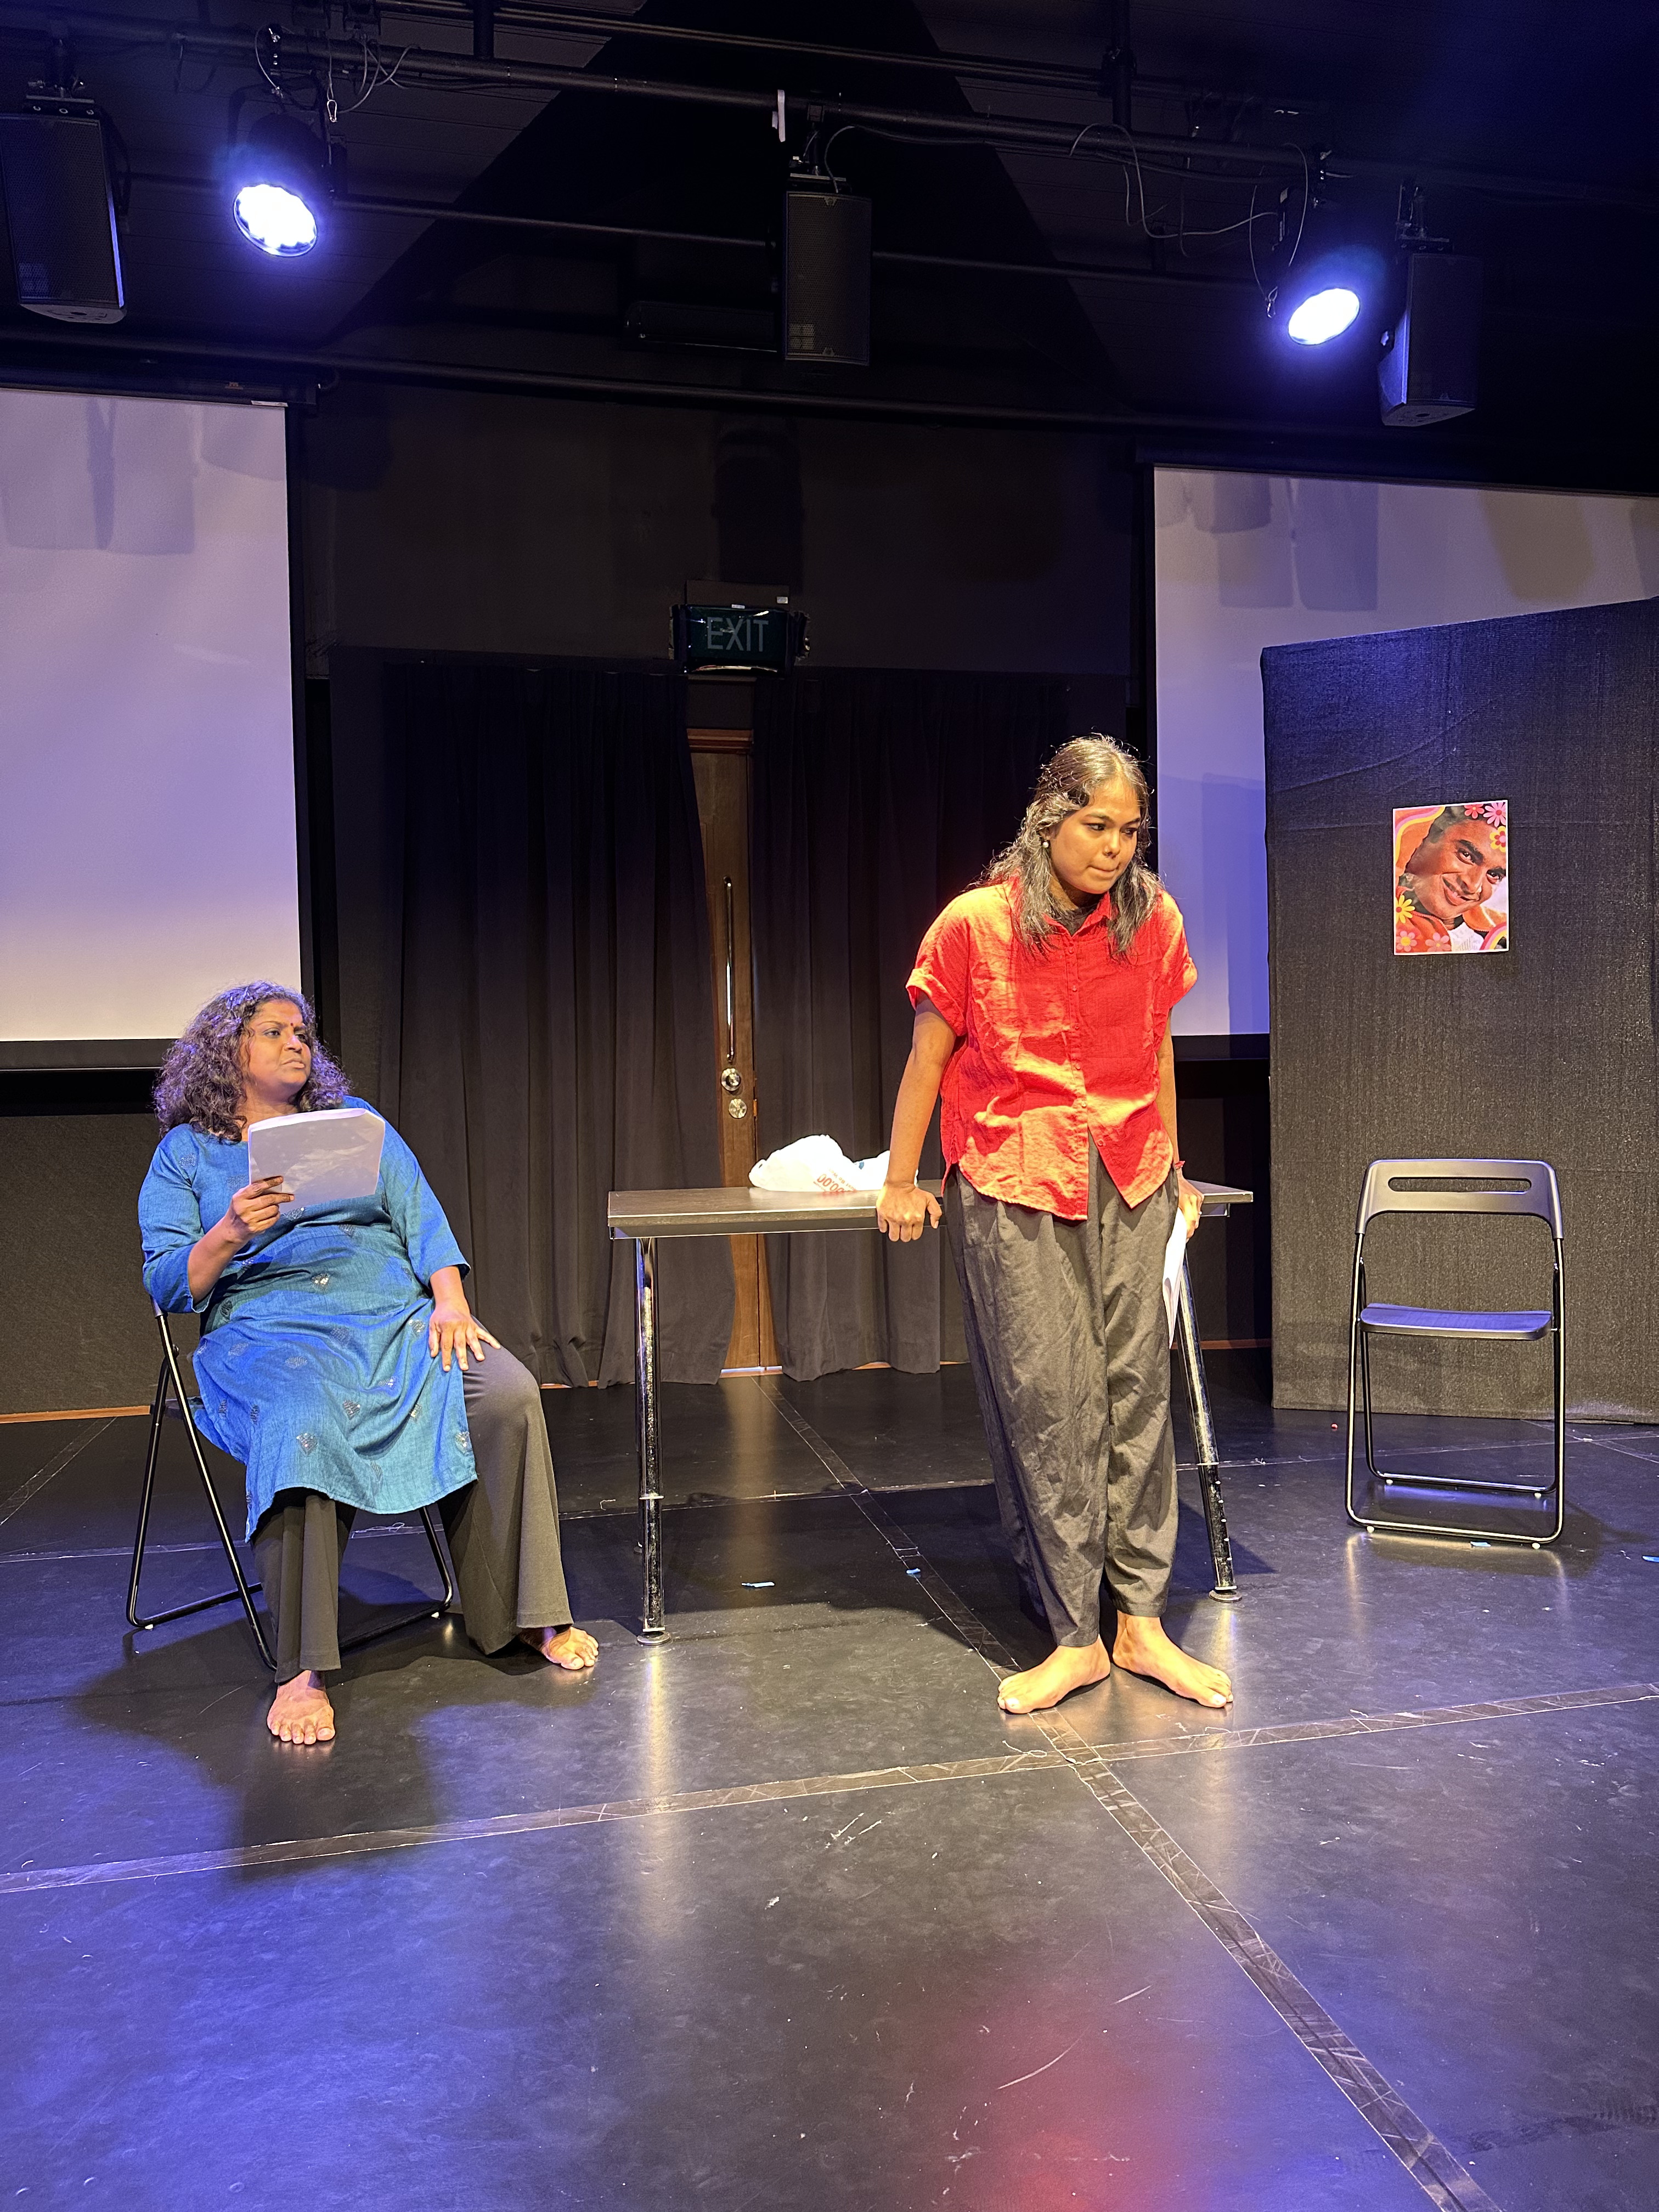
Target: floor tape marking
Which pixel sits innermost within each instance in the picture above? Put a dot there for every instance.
(241, 1858)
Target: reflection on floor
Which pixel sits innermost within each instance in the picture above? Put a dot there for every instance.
(783, 1912)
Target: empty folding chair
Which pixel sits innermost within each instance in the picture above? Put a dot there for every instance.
(1524, 1187)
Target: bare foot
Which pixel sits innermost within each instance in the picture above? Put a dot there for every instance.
(300, 1713)
(1063, 1671)
(571, 1648)
(1141, 1647)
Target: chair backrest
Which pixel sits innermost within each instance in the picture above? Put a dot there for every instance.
(1460, 1187)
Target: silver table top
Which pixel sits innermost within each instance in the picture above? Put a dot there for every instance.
(743, 1211)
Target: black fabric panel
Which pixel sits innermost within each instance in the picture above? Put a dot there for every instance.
(877, 797)
(526, 984)
(69, 1240)
(1545, 1052)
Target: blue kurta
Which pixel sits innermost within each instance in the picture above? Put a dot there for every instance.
(313, 1366)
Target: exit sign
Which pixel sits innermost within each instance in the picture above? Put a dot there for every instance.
(745, 638)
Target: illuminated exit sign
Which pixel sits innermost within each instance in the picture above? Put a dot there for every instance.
(743, 638)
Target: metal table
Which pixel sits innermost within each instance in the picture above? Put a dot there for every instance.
(645, 1215)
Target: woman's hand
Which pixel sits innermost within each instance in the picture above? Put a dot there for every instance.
(902, 1211)
(254, 1209)
(454, 1332)
(1190, 1203)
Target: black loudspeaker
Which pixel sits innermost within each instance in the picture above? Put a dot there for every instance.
(1428, 371)
(61, 215)
(826, 277)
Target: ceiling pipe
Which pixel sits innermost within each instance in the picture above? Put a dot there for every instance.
(580, 24)
(1074, 272)
(302, 366)
(434, 211)
(1174, 440)
(1013, 134)
(193, 42)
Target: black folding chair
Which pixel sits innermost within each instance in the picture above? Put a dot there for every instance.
(1526, 1186)
(172, 1398)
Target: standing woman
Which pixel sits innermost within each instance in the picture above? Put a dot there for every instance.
(339, 1360)
(1042, 1001)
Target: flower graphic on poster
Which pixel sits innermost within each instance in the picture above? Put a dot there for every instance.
(1451, 877)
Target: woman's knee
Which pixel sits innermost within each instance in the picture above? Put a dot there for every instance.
(506, 1390)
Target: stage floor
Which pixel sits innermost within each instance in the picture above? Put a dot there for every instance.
(783, 1912)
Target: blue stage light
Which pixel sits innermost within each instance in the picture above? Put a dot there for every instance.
(1322, 315)
(1327, 292)
(276, 220)
(278, 192)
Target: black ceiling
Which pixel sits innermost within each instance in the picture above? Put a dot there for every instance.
(991, 142)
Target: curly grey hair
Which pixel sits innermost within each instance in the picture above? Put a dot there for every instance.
(1067, 783)
(201, 1078)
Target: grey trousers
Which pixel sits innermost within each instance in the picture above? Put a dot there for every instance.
(1070, 1349)
(503, 1531)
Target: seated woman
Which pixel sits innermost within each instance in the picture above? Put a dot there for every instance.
(339, 1360)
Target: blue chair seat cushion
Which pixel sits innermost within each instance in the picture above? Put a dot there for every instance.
(1451, 1321)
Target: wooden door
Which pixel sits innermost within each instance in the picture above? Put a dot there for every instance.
(720, 761)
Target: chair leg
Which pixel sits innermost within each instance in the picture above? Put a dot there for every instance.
(170, 1378)
(153, 1451)
(1371, 1467)
(431, 1610)
(1558, 1345)
(1354, 1361)
(439, 1556)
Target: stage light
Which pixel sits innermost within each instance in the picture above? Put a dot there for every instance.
(275, 219)
(1323, 295)
(278, 192)
(1322, 315)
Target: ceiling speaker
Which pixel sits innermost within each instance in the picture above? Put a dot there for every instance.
(826, 277)
(1428, 370)
(61, 215)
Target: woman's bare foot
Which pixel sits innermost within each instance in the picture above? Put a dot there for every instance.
(1141, 1647)
(1063, 1671)
(300, 1713)
(571, 1648)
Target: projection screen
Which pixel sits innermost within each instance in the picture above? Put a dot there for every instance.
(148, 852)
(1243, 561)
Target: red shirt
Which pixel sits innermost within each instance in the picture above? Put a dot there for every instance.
(1057, 1048)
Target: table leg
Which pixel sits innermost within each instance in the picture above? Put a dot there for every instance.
(1209, 1462)
(645, 1417)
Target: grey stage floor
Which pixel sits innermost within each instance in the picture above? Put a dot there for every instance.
(782, 1912)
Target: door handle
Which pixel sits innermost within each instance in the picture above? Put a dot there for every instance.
(731, 1075)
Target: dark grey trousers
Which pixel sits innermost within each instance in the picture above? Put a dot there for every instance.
(1070, 1348)
(503, 1531)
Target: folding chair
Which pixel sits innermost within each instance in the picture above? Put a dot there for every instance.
(1525, 1187)
(172, 1397)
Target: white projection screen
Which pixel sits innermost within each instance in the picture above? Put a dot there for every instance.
(1241, 561)
(148, 852)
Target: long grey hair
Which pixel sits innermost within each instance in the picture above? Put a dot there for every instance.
(1066, 784)
(201, 1078)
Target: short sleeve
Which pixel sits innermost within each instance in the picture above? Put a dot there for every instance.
(414, 1211)
(170, 1223)
(1176, 974)
(940, 974)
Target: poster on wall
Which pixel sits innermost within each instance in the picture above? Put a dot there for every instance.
(1451, 877)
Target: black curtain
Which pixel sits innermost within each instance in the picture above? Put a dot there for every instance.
(877, 797)
(1549, 1051)
(526, 986)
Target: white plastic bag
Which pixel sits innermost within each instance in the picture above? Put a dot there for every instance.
(818, 1164)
